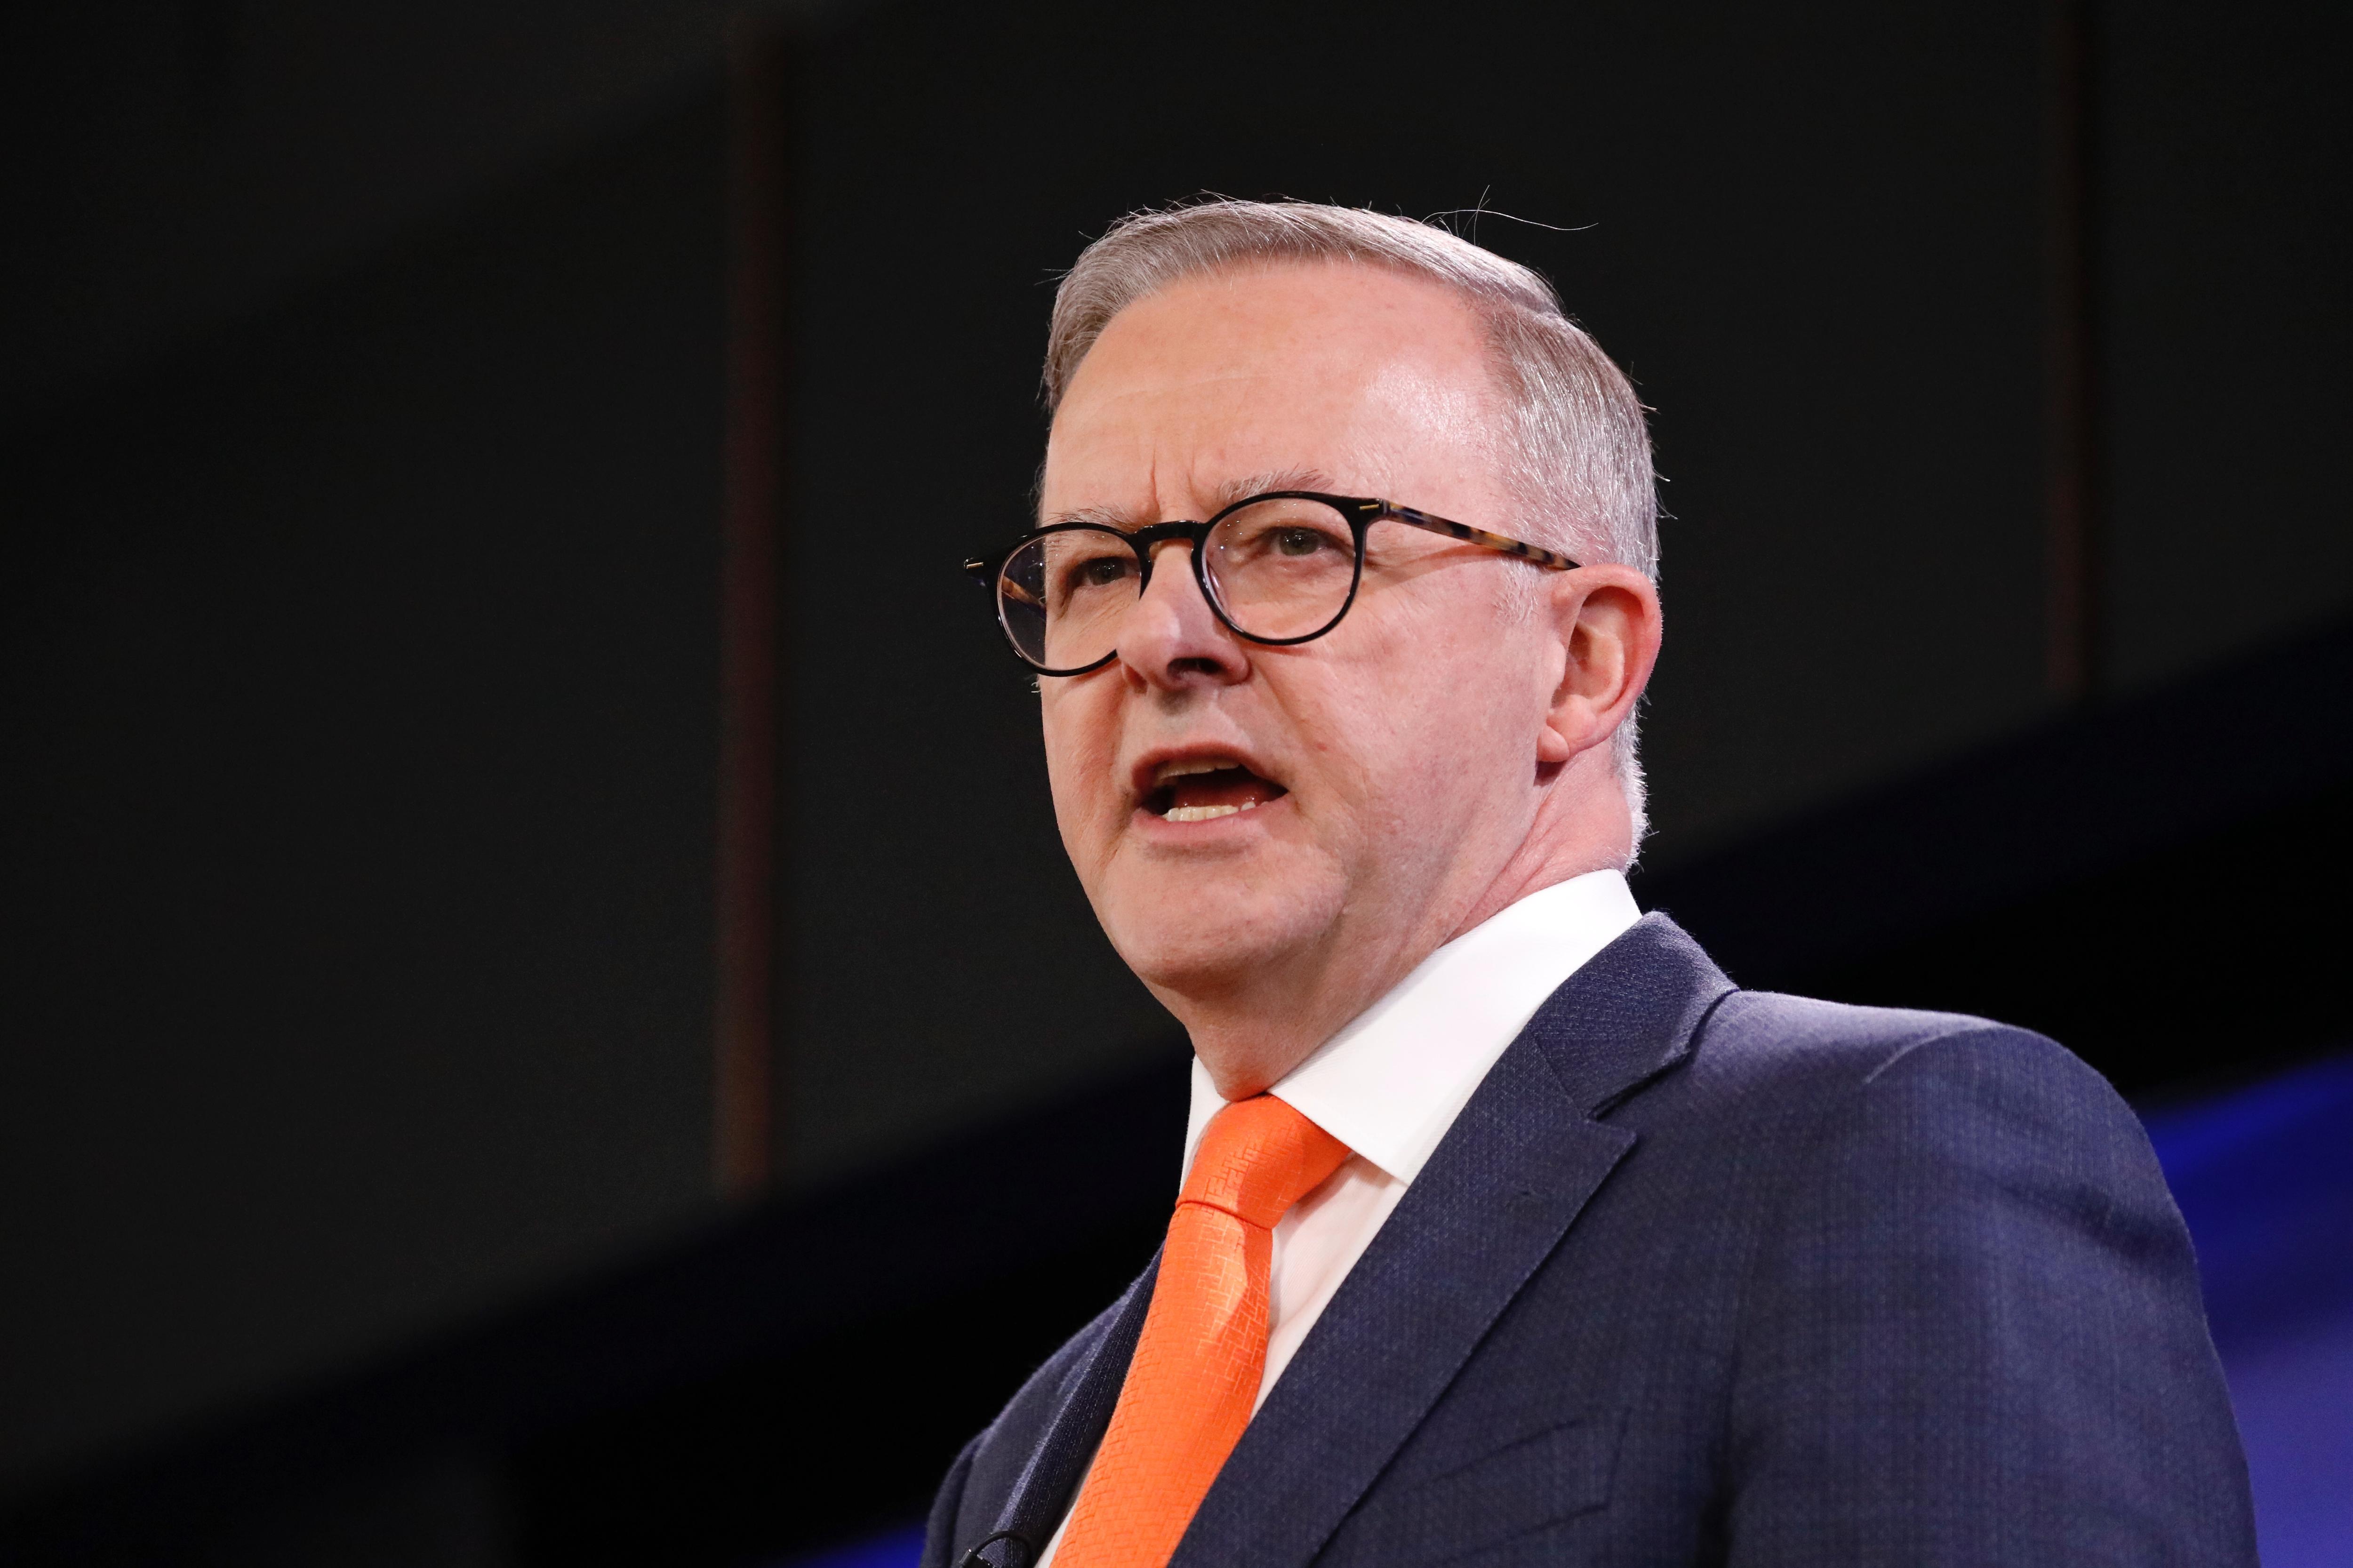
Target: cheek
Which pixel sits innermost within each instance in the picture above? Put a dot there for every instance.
(1422, 727)
(1080, 743)
(1359, 731)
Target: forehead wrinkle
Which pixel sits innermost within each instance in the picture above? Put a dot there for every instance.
(1220, 496)
(1223, 495)
(1124, 519)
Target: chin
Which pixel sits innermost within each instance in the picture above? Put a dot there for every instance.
(1196, 941)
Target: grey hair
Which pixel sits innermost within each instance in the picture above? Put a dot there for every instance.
(1579, 448)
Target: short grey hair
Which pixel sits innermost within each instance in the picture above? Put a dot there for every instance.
(1579, 447)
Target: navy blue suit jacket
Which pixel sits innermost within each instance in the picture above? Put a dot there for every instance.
(1710, 1276)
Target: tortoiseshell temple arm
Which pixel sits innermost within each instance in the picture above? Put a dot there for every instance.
(1478, 536)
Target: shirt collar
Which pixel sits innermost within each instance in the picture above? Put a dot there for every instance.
(1391, 1083)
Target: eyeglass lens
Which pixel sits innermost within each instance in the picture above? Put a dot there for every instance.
(1279, 568)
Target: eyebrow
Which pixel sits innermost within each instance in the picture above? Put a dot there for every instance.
(1221, 496)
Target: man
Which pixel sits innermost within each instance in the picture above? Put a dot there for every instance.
(1511, 1231)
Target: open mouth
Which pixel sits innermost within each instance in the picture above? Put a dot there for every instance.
(1200, 789)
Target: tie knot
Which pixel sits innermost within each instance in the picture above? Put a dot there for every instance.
(1258, 1157)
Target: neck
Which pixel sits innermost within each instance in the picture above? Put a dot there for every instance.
(1251, 1026)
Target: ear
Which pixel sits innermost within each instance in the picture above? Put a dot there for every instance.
(1607, 618)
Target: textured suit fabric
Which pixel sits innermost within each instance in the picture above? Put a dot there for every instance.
(1708, 1276)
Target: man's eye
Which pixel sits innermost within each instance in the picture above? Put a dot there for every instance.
(1297, 541)
(1099, 572)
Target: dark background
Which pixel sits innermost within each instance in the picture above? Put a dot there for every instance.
(365, 388)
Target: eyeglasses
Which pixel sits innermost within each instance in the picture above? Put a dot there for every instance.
(1279, 568)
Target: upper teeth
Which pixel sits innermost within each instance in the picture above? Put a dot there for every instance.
(1194, 765)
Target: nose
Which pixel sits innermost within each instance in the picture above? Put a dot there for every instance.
(1172, 639)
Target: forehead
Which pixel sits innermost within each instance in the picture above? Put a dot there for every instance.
(1369, 377)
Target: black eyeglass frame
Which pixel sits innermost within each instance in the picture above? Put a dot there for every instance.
(1360, 512)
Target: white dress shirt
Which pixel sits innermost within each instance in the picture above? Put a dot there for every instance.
(1392, 1082)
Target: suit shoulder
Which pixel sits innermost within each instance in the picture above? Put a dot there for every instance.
(1763, 1043)
(1922, 1109)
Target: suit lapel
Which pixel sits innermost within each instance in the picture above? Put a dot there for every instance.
(1492, 1204)
(1035, 1506)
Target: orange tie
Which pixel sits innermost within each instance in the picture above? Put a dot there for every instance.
(1197, 1367)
